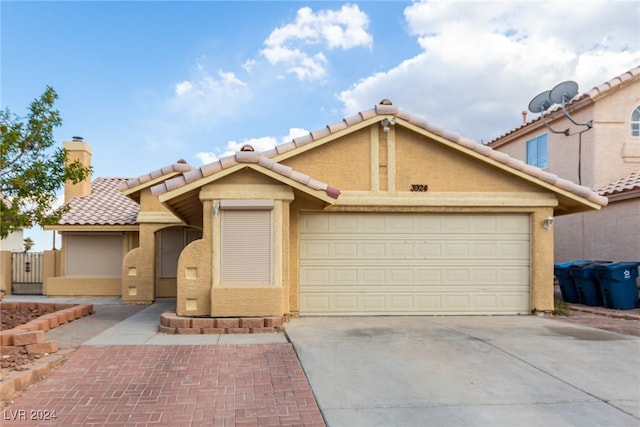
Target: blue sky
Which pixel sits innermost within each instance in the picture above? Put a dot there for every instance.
(147, 83)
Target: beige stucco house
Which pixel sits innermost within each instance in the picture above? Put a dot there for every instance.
(380, 213)
(604, 157)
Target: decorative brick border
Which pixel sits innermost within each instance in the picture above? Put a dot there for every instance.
(33, 331)
(171, 323)
(30, 336)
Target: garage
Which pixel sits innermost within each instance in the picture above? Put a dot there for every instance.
(381, 213)
(414, 263)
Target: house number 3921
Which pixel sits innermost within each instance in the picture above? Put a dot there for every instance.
(419, 187)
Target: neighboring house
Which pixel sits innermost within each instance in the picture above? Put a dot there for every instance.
(380, 213)
(14, 242)
(604, 157)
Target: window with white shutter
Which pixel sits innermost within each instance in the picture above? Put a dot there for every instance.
(246, 246)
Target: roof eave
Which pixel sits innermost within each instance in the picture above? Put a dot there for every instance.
(330, 137)
(624, 195)
(131, 192)
(318, 194)
(588, 204)
(177, 192)
(92, 227)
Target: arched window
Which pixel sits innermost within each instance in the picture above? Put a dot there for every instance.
(635, 122)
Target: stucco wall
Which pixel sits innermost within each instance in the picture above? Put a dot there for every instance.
(138, 267)
(344, 163)
(52, 266)
(83, 286)
(80, 151)
(610, 234)
(194, 278)
(150, 203)
(5, 271)
(446, 170)
(617, 153)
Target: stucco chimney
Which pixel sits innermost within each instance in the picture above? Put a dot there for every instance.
(79, 150)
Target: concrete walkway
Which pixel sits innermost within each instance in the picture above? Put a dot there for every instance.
(142, 329)
(115, 323)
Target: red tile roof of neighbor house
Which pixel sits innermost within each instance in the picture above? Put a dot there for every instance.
(382, 110)
(628, 183)
(106, 205)
(594, 93)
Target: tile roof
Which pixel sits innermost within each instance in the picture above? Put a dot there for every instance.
(106, 205)
(383, 111)
(614, 82)
(594, 93)
(628, 183)
(180, 166)
(260, 159)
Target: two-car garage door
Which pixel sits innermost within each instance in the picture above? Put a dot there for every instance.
(400, 264)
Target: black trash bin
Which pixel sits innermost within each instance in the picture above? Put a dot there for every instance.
(566, 282)
(587, 284)
(618, 284)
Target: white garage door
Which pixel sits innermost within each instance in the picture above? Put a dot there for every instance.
(399, 264)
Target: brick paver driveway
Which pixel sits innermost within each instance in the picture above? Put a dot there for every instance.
(187, 385)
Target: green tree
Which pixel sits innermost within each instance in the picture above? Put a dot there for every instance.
(32, 169)
(28, 243)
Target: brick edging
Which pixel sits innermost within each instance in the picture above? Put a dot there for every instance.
(32, 333)
(171, 323)
(30, 337)
(14, 384)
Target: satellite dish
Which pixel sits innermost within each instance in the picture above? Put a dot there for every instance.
(563, 92)
(541, 102)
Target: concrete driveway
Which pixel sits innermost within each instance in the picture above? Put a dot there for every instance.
(456, 371)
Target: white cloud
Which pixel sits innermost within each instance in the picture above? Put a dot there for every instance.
(482, 62)
(293, 44)
(259, 144)
(207, 96)
(248, 65)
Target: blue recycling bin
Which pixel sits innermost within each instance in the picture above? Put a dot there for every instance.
(566, 282)
(618, 284)
(587, 284)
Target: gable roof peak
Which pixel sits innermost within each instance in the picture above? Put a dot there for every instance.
(245, 155)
